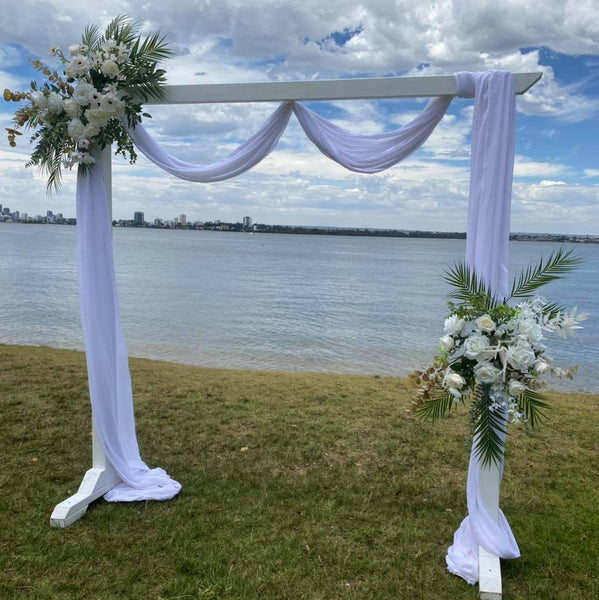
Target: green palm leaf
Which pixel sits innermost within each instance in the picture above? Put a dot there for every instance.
(489, 428)
(153, 48)
(532, 405)
(123, 29)
(559, 262)
(91, 36)
(436, 408)
(468, 287)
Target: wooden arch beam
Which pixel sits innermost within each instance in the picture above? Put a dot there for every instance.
(340, 89)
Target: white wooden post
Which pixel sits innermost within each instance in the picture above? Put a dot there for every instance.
(101, 478)
(489, 567)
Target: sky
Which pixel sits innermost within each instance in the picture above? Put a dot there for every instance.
(556, 174)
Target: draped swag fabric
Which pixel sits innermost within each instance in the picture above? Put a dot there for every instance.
(488, 235)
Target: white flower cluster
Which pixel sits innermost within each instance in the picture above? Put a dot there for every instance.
(84, 109)
(506, 353)
(91, 100)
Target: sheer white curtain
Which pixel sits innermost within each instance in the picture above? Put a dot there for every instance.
(249, 154)
(488, 234)
(491, 173)
(106, 353)
(362, 153)
(370, 153)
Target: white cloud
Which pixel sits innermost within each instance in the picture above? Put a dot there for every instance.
(548, 182)
(10, 81)
(524, 167)
(555, 208)
(257, 40)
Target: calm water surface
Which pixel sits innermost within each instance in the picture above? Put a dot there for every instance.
(264, 301)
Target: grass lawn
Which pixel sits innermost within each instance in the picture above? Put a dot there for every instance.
(295, 486)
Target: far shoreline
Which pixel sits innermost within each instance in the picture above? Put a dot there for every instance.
(334, 231)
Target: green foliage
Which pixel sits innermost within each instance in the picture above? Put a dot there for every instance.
(469, 288)
(532, 405)
(134, 78)
(436, 407)
(488, 426)
(92, 35)
(558, 263)
(470, 300)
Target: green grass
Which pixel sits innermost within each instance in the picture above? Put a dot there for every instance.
(295, 486)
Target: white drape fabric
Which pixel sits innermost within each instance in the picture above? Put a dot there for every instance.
(370, 153)
(249, 154)
(361, 153)
(491, 173)
(106, 353)
(488, 234)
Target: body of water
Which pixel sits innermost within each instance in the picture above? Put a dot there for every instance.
(278, 302)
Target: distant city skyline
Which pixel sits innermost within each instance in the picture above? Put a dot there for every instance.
(248, 222)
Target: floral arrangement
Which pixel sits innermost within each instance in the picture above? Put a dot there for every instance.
(494, 353)
(104, 79)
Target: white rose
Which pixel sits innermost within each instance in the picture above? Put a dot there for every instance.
(446, 343)
(83, 144)
(531, 330)
(39, 99)
(71, 108)
(55, 103)
(83, 93)
(486, 373)
(485, 323)
(541, 366)
(520, 357)
(98, 116)
(110, 68)
(454, 325)
(453, 380)
(516, 388)
(476, 346)
(76, 129)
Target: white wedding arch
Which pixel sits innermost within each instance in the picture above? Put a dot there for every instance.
(117, 472)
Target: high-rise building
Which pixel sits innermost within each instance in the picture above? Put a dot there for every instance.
(138, 218)
(247, 222)
(182, 220)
